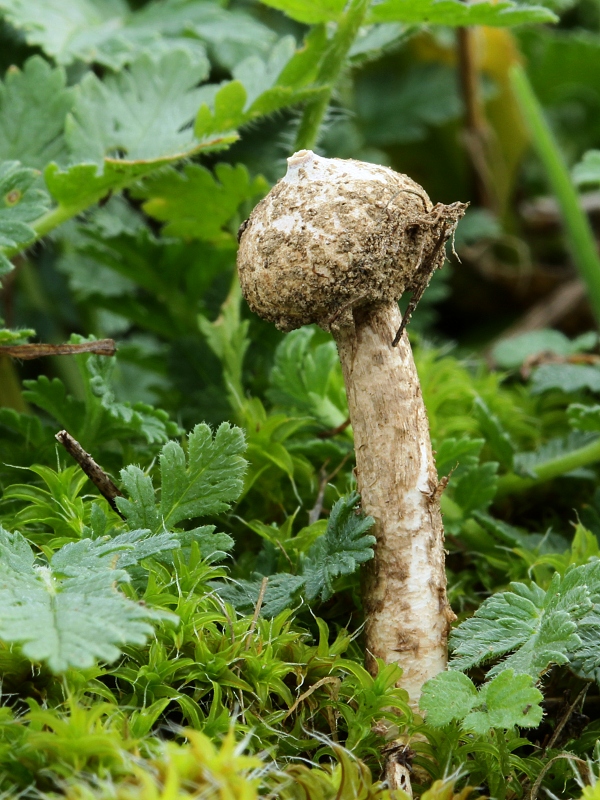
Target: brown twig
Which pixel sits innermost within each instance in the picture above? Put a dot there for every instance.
(93, 470)
(257, 608)
(315, 512)
(476, 128)
(565, 718)
(102, 347)
(329, 434)
(569, 757)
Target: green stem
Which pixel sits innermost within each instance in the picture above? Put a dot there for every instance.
(547, 470)
(10, 387)
(332, 65)
(578, 231)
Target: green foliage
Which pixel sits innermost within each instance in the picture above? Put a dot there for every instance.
(20, 204)
(194, 204)
(541, 627)
(451, 12)
(514, 352)
(34, 103)
(109, 33)
(172, 646)
(321, 559)
(204, 483)
(507, 701)
(68, 613)
(587, 172)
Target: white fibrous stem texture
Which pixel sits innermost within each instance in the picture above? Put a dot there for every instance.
(406, 610)
(337, 243)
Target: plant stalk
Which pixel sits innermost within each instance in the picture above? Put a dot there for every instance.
(580, 237)
(331, 67)
(547, 470)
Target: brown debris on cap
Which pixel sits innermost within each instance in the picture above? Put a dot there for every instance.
(335, 234)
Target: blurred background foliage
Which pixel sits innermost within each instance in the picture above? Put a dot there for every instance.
(515, 424)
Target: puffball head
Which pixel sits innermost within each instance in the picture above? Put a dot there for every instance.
(331, 236)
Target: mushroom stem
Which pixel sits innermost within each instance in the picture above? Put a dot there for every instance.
(407, 613)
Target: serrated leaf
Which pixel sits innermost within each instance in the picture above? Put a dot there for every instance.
(454, 13)
(68, 613)
(476, 488)
(306, 378)
(206, 482)
(283, 591)
(116, 552)
(102, 31)
(526, 463)
(497, 438)
(457, 454)
(502, 531)
(143, 113)
(540, 627)
(587, 172)
(566, 377)
(259, 88)
(310, 12)
(447, 697)
(344, 546)
(508, 701)
(197, 204)
(100, 417)
(20, 204)
(34, 103)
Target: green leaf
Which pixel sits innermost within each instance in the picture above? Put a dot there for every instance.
(68, 613)
(476, 488)
(259, 88)
(374, 40)
(457, 454)
(584, 418)
(447, 697)
(101, 31)
(587, 172)
(526, 463)
(540, 627)
(344, 545)
(100, 417)
(507, 701)
(197, 204)
(566, 377)
(283, 591)
(497, 438)
(502, 531)
(310, 12)
(143, 113)
(207, 482)
(512, 353)
(20, 204)
(397, 110)
(306, 378)
(8, 336)
(454, 13)
(34, 104)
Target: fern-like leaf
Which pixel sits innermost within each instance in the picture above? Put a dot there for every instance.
(69, 612)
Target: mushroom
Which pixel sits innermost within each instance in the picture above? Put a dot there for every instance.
(337, 243)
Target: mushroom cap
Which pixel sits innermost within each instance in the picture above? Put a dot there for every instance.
(331, 235)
